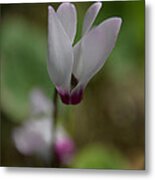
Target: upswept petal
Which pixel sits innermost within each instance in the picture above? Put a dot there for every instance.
(68, 17)
(60, 52)
(78, 63)
(90, 16)
(96, 47)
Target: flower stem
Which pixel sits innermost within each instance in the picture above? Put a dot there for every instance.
(55, 111)
(54, 125)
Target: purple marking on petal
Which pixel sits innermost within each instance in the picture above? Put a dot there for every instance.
(70, 98)
(65, 97)
(76, 97)
(65, 149)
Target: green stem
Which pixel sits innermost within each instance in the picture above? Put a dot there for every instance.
(54, 125)
(55, 103)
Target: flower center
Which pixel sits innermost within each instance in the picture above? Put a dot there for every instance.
(74, 82)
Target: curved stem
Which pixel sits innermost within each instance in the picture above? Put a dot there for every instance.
(55, 114)
(55, 103)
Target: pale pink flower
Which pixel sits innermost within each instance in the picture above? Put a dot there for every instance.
(71, 67)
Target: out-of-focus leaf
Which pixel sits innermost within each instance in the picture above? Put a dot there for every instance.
(96, 156)
(23, 66)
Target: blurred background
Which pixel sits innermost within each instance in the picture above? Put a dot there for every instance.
(107, 129)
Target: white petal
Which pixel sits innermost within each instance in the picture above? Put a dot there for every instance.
(34, 136)
(39, 103)
(90, 16)
(78, 63)
(60, 60)
(96, 46)
(68, 17)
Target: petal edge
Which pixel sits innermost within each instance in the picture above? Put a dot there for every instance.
(68, 17)
(60, 52)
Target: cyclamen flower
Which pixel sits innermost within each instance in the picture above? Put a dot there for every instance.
(64, 146)
(70, 68)
(35, 135)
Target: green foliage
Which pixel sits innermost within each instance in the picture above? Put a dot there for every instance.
(97, 156)
(23, 66)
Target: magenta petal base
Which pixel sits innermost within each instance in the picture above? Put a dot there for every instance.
(73, 98)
